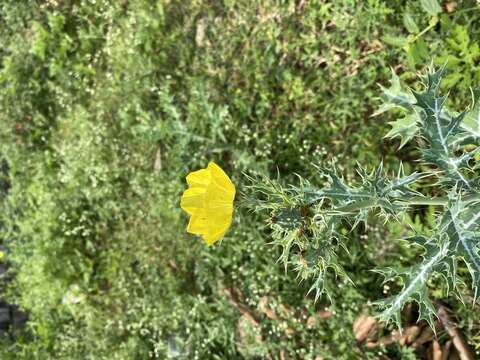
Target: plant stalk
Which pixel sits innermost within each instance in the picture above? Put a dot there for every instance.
(411, 200)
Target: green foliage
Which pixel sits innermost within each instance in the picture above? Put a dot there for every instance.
(431, 7)
(461, 52)
(316, 234)
(444, 34)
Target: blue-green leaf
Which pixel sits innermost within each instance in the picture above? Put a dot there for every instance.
(405, 128)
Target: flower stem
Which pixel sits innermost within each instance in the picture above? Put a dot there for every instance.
(409, 201)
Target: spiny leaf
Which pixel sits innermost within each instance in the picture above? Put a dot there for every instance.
(375, 187)
(464, 241)
(405, 128)
(415, 284)
(442, 131)
(471, 123)
(456, 236)
(395, 97)
(408, 126)
(433, 78)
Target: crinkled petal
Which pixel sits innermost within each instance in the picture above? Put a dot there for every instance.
(199, 178)
(219, 217)
(216, 197)
(209, 201)
(222, 180)
(198, 223)
(219, 220)
(212, 238)
(193, 199)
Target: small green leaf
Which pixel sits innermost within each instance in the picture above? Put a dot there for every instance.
(446, 23)
(451, 60)
(412, 56)
(410, 24)
(460, 40)
(422, 48)
(417, 52)
(431, 7)
(451, 80)
(398, 41)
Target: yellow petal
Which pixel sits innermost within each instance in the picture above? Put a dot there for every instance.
(193, 199)
(216, 197)
(209, 201)
(212, 238)
(198, 223)
(221, 179)
(200, 178)
(219, 220)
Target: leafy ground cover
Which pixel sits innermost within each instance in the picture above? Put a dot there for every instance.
(107, 105)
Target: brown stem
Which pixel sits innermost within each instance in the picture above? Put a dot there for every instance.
(457, 338)
(244, 310)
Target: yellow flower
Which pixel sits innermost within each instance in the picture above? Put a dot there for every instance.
(209, 201)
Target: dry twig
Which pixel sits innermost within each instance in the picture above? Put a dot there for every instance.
(457, 338)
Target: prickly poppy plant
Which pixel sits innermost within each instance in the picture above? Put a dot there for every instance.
(308, 222)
